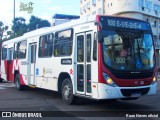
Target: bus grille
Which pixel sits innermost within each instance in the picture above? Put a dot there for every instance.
(133, 76)
(129, 92)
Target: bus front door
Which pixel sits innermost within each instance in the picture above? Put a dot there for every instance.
(32, 64)
(83, 64)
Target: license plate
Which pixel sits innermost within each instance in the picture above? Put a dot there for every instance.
(136, 95)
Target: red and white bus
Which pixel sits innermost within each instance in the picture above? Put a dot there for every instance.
(98, 57)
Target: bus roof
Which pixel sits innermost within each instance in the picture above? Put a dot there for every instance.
(67, 25)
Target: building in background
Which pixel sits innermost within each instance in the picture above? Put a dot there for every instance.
(147, 10)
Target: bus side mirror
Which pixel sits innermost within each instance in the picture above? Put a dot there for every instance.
(100, 36)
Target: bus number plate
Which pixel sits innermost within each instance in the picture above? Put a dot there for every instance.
(135, 95)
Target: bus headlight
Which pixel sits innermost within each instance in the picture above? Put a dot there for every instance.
(154, 80)
(108, 80)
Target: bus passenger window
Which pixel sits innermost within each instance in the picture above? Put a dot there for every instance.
(4, 52)
(15, 51)
(10, 54)
(22, 49)
(46, 45)
(63, 43)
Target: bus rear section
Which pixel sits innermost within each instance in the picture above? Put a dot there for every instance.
(126, 58)
(7, 62)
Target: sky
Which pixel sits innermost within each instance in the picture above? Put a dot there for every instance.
(44, 9)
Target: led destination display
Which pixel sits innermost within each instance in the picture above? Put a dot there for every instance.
(124, 23)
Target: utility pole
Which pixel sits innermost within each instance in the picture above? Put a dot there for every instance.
(14, 10)
(102, 11)
(14, 15)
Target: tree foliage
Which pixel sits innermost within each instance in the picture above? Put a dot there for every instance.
(36, 23)
(19, 26)
(2, 29)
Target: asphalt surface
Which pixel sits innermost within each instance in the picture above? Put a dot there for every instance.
(40, 100)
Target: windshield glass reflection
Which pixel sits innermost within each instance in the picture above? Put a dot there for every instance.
(131, 51)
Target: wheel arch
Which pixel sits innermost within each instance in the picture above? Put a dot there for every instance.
(61, 77)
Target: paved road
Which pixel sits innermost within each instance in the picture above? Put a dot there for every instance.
(43, 100)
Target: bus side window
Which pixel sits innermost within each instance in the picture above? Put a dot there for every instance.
(63, 43)
(10, 54)
(4, 52)
(15, 52)
(22, 49)
(95, 47)
(46, 45)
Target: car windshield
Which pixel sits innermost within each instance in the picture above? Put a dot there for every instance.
(128, 50)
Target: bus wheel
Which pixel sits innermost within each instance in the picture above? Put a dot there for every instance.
(67, 92)
(17, 82)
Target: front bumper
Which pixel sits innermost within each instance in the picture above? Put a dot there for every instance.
(107, 92)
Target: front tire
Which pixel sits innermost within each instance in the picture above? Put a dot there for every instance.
(17, 83)
(67, 92)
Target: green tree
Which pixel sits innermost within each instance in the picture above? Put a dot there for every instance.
(19, 26)
(10, 35)
(2, 29)
(36, 23)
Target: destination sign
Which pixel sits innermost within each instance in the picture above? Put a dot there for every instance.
(124, 23)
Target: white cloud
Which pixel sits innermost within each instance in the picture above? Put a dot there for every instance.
(6, 12)
(46, 17)
(55, 9)
(47, 1)
(7, 9)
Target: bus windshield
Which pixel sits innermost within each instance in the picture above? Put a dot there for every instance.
(128, 50)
